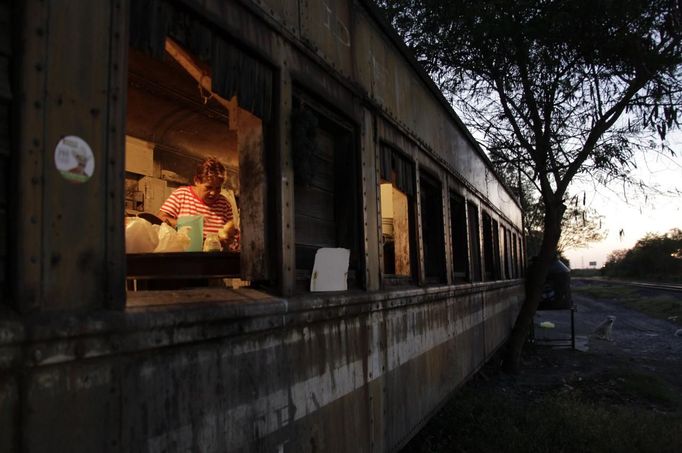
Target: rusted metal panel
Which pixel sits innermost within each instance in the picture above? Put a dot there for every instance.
(362, 52)
(284, 180)
(5, 97)
(76, 103)
(9, 402)
(326, 27)
(499, 312)
(115, 158)
(93, 397)
(65, 81)
(339, 374)
(447, 333)
(242, 25)
(30, 139)
(370, 204)
(253, 177)
(285, 12)
(391, 81)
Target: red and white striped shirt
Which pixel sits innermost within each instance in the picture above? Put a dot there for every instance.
(183, 201)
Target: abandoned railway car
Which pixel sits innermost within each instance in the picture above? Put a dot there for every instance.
(331, 142)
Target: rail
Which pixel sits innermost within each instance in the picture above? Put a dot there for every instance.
(655, 286)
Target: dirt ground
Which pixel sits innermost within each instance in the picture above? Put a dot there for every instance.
(637, 340)
(640, 367)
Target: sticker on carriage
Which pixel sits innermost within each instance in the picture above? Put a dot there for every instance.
(74, 159)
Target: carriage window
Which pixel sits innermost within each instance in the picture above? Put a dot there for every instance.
(460, 252)
(326, 188)
(515, 257)
(488, 252)
(397, 217)
(506, 235)
(432, 229)
(521, 258)
(474, 242)
(497, 269)
(190, 200)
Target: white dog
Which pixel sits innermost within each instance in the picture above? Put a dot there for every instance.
(603, 330)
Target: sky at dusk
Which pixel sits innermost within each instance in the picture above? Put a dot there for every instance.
(635, 214)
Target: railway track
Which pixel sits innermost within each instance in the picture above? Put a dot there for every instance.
(677, 288)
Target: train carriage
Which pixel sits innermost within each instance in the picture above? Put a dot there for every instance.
(333, 140)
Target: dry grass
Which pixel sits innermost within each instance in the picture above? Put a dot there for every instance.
(555, 408)
(662, 306)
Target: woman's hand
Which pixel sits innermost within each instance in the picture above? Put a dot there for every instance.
(229, 237)
(167, 218)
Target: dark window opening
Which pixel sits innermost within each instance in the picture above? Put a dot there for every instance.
(326, 188)
(460, 251)
(474, 242)
(397, 217)
(432, 229)
(497, 270)
(515, 256)
(521, 258)
(488, 249)
(507, 254)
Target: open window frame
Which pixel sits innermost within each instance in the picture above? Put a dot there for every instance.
(236, 87)
(327, 187)
(433, 233)
(398, 207)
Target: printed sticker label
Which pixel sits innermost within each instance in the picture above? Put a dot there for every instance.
(74, 159)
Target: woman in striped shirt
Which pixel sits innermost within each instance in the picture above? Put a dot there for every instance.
(203, 198)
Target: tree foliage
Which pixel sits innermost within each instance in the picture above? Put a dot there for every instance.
(580, 226)
(548, 82)
(654, 257)
(558, 89)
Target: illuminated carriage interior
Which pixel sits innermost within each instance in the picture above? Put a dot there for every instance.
(174, 122)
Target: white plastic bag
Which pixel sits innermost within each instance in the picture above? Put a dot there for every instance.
(171, 240)
(141, 236)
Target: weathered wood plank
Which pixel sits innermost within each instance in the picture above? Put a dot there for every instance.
(313, 202)
(254, 198)
(30, 139)
(371, 201)
(311, 231)
(5, 94)
(401, 233)
(115, 156)
(76, 103)
(284, 177)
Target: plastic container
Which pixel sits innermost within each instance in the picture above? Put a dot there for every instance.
(196, 232)
(212, 243)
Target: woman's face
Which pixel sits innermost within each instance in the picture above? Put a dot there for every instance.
(209, 189)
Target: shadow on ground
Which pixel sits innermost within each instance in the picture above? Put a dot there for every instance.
(620, 395)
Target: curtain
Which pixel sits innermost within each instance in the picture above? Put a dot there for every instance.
(402, 166)
(233, 71)
(236, 72)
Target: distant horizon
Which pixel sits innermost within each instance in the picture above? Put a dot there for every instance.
(641, 213)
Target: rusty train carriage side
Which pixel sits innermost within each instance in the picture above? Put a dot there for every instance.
(89, 366)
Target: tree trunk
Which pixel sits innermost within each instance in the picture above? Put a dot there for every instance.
(535, 281)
